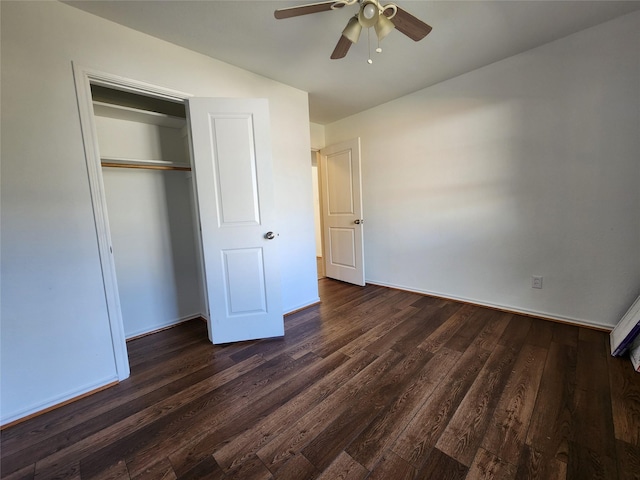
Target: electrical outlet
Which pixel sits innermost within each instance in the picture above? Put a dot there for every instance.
(536, 281)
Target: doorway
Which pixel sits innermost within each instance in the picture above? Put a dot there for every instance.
(85, 78)
(233, 207)
(147, 179)
(317, 212)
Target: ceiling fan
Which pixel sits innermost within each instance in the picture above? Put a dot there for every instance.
(371, 13)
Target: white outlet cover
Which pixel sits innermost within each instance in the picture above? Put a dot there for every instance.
(536, 281)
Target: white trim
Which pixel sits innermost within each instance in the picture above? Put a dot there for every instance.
(543, 315)
(164, 325)
(303, 306)
(57, 400)
(84, 77)
(128, 85)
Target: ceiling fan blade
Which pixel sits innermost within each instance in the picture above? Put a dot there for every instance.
(306, 9)
(412, 27)
(342, 48)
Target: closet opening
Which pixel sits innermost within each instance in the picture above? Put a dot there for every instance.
(143, 143)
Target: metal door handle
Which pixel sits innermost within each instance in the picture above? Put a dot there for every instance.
(269, 235)
(358, 221)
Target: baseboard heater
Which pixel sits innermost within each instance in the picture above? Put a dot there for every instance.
(626, 330)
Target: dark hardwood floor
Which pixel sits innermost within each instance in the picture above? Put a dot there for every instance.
(372, 383)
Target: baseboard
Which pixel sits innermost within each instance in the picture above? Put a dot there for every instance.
(56, 402)
(503, 308)
(73, 396)
(303, 306)
(162, 326)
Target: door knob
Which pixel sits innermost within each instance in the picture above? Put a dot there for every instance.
(269, 235)
(358, 221)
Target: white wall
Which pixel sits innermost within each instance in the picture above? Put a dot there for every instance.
(55, 340)
(317, 136)
(152, 232)
(529, 166)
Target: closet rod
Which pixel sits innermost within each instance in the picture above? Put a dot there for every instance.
(148, 167)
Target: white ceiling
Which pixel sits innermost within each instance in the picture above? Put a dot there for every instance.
(466, 35)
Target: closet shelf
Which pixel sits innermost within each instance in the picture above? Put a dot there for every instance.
(148, 164)
(136, 115)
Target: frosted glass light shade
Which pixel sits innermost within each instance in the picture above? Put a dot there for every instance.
(368, 14)
(369, 11)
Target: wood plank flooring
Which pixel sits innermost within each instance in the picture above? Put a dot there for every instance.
(372, 383)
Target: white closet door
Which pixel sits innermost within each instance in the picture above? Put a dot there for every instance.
(232, 162)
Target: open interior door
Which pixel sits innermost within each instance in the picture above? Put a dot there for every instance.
(231, 148)
(343, 235)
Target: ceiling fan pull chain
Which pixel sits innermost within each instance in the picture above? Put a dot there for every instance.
(369, 43)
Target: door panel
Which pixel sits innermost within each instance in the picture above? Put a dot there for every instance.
(340, 183)
(232, 163)
(342, 247)
(245, 281)
(342, 212)
(237, 184)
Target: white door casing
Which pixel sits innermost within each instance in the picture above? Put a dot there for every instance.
(234, 189)
(342, 212)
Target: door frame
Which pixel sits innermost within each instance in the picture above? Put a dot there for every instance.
(84, 77)
(316, 152)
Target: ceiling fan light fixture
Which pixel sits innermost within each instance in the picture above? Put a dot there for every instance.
(352, 30)
(383, 27)
(371, 13)
(368, 14)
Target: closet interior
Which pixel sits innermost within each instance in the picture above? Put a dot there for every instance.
(146, 171)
